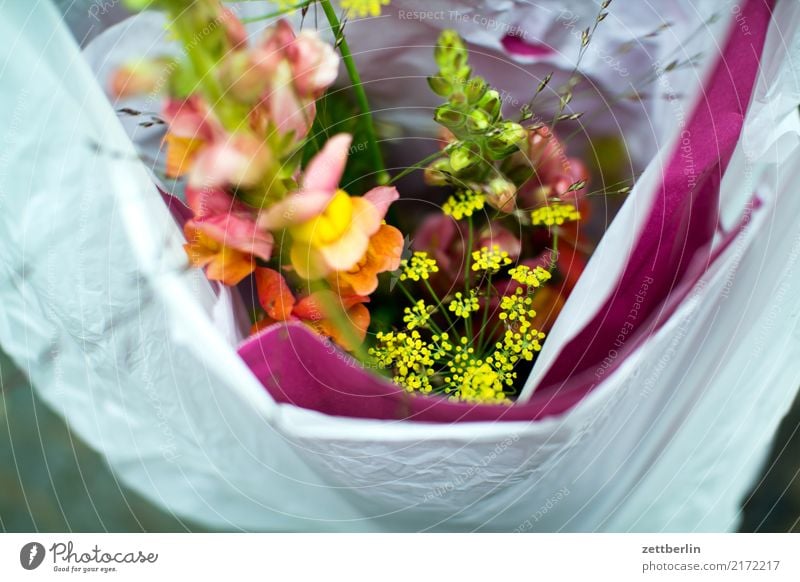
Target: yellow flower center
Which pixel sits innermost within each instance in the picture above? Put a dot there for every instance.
(329, 226)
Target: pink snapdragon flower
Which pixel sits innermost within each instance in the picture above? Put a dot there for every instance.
(197, 144)
(331, 230)
(286, 74)
(223, 236)
(301, 68)
(191, 126)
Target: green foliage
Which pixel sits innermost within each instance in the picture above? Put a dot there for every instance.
(336, 113)
(472, 113)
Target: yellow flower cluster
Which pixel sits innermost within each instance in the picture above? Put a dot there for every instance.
(417, 315)
(409, 356)
(464, 306)
(554, 214)
(478, 381)
(419, 267)
(521, 344)
(453, 367)
(423, 359)
(516, 310)
(364, 8)
(463, 204)
(490, 260)
(529, 277)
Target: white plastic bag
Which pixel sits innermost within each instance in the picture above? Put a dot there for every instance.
(118, 338)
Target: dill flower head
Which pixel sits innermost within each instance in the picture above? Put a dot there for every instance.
(475, 380)
(555, 214)
(464, 306)
(516, 310)
(417, 315)
(409, 356)
(418, 267)
(463, 204)
(362, 8)
(442, 342)
(529, 277)
(490, 260)
(521, 345)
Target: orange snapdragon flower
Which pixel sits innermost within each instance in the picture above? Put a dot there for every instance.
(384, 253)
(280, 305)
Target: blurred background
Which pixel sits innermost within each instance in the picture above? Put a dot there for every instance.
(50, 481)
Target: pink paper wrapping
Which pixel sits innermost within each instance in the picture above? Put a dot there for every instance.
(674, 249)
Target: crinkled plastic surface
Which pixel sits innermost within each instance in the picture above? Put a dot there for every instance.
(119, 338)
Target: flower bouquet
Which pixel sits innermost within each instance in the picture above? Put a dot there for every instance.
(359, 306)
(464, 291)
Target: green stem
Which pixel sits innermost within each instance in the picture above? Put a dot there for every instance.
(203, 63)
(495, 328)
(468, 273)
(416, 166)
(434, 328)
(336, 312)
(485, 313)
(468, 258)
(358, 88)
(554, 253)
(438, 303)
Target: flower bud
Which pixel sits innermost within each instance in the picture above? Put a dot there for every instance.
(440, 85)
(139, 77)
(450, 54)
(475, 89)
(315, 63)
(436, 173)
(242, 79)
(239, 161)
(501, 194)
(463, 157)
(462, 73)
(506, 139)
(491, 103)
(513, 133)
(448, 116)
(478, 121)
